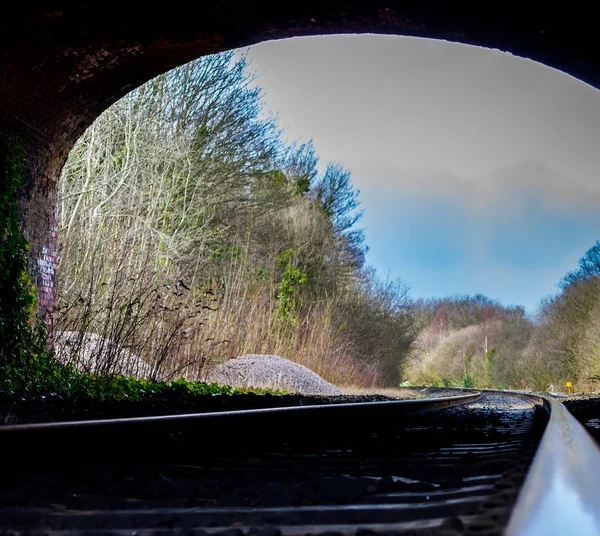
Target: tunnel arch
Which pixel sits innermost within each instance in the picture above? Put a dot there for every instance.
(65, 63)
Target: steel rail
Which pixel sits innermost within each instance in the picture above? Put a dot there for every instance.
(222, 428)
(561, 492)
(407, 405)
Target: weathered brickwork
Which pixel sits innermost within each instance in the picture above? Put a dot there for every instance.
(39, 220)
(60, 67)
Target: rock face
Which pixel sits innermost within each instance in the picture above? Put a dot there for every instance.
(260, 370)
(92, 353)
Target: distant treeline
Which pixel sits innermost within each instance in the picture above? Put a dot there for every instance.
(475, 341)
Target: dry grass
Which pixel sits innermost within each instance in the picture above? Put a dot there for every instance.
(184, 330)
(245, 322)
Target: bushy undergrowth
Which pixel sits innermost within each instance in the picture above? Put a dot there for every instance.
(47, 377)
(192, 233)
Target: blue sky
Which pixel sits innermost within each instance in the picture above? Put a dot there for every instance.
(478, 170)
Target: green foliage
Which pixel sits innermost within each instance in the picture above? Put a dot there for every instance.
(292, 279)
(50, 377)
(302, 184)
(467, 381)
(22, 337)
(276, 176)
(98, 387)
(40, 373)
(285, 258)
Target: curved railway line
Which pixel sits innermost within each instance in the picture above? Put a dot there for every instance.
(481, 463)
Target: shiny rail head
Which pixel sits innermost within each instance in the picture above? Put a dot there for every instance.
(561, 494)
(184, 435)
(334, 409)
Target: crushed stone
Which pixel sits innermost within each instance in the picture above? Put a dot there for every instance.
(271, 371)
(90, 352)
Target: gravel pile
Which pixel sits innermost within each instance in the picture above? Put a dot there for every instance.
(272, 371)
(92, 353)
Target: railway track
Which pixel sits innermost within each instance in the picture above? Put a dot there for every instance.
(461, 465)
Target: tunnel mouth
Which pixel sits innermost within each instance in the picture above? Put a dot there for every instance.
(54, 92)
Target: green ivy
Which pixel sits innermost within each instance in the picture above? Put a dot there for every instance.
(22, 336)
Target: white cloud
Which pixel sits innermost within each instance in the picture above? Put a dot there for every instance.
(509, 144)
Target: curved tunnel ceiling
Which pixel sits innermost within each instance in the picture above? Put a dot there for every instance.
(62, 65)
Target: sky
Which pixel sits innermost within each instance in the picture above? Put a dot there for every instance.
(477, 170)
